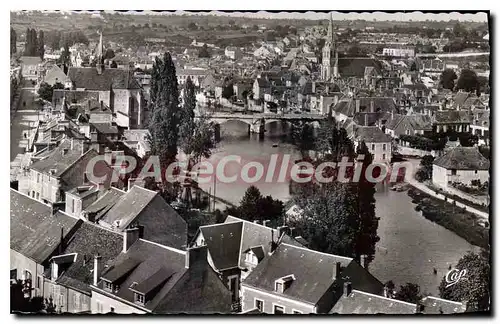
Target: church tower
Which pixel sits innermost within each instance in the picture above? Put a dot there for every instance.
(100, 56)
(329, 64)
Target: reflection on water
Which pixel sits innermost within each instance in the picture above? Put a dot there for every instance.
(410, 246)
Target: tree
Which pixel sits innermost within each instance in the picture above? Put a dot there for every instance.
(65, 57)
(468, 81)
(474, 287)
(45, 91)
(254, 206)
(248, 208)
(448, 78)
(13, 41)
(303, 136)
(409, 293)
(109, 54)
(330, 219)
(203, 52)
(41, 44)
(228, 91)
(367, 236)
(164, 101)
(425, 170)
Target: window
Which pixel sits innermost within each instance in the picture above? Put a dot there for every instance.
(76, 301)
(384, 146)
(259, 304)
(108, 286)
(279, 309)
(112, 309)
(38, 178)
(38, 196)
(27, 275)
(383, 156)
(13, 274)
(39, 282)
(279, 287)
(98, 306)
(373, 147)
(453, 172)
(139, 298)
(475, 171)
(297, 312)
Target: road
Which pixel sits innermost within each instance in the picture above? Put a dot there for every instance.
(421, 186)
(21, 122)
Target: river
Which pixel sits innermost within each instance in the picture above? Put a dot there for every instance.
(410, 246)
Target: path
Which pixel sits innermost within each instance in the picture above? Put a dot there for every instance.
(421, 186)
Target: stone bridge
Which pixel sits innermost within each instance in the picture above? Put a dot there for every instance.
(256, 121)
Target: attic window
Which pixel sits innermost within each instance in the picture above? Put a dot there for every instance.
(281, 284)
(139, 298)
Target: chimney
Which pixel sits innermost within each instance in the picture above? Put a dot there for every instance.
(347, 288)
(256, 222)
(313, 87)
(420, 308)
(366, 119)
(102, 105)
(61, 241)
(338, 270)
(97, 268)
(130, 236)
(282, 230)
(357, 105)
(265, 222)
(372, 107)
(273, 244)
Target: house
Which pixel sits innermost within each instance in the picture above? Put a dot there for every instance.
(236, 247)
(118, 89)
(462, 165)
(480, 125)
(61, 170)
(379, 144)
(261, 87)
(465, 101)
(31, 66)
(452, 120)
(137, 140)
(196, 76)
(241, 87)
(232, 52)
(262, 52)
(399, 52)
(36, 234)
(408, 125)
(359, 302)
(71, 271)
(297, 280)
(56, 75)
(147, 277)
(161, 222)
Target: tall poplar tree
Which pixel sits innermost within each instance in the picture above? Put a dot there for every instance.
(367, 236)
(164, 122)
(187, 126)
(13, 40)
(41, 44)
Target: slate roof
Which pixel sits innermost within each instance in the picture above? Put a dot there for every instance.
(314, 272)
(223, 242)
(105, 128)
(359, 302)
(30, 60)
(89, 240)
(452, 117)
(463, 158)
(481, 117)
(105, 202)
(371, 134)
(89, 79)
(347, 106)
(129, 206)
(57, 161)
(434, 305)
(355, 67)
(34, 231)
(417, 122)
(263, 83)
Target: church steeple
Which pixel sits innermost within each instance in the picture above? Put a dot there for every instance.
(100, 55)
(329, 66)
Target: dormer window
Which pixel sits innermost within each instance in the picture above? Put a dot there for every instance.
(282, 284)
(139, 298)
(108, 286)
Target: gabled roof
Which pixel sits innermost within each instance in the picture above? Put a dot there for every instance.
(417, 122)
(359, 302)
(89, 79)
(34, 231)
(452, 116)
(105, 202)
(223, 242)
(463, 158)
(58, 161)
(434, 305)
(370, 134)
(89, 240)
(129, 206)
(355, 66)
(314, 272)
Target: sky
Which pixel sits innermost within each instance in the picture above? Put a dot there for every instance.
(399, 16)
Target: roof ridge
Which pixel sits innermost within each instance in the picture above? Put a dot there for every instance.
(25, 195)
(446, 300)
(387, 298)
(304, 248)
(164, 246)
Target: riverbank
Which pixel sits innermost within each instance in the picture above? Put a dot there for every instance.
(452, 217)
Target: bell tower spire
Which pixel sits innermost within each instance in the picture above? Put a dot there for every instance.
(100, 55)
